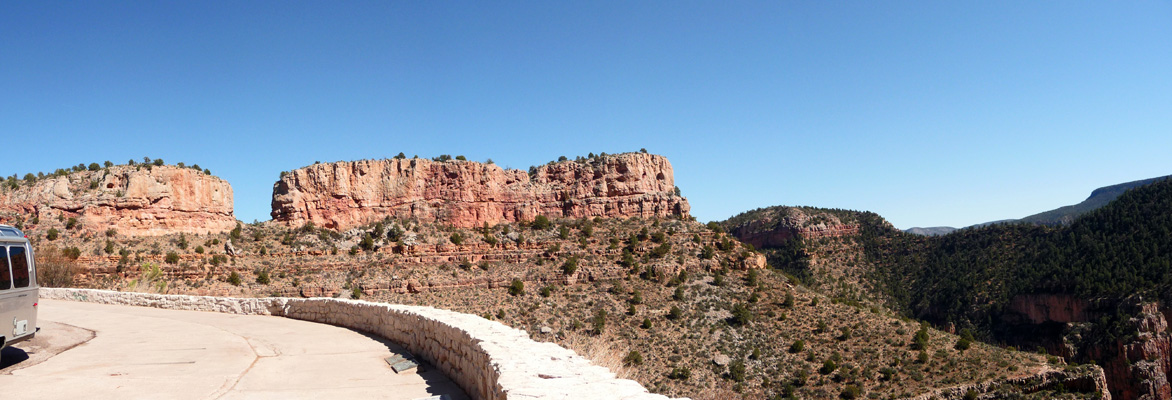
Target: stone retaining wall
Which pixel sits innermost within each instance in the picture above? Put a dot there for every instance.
(487, 359)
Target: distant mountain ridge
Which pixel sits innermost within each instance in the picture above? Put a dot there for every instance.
(1098, 198)
(931, 231)
(1059, 216)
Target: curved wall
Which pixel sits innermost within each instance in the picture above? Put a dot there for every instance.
(487, 359)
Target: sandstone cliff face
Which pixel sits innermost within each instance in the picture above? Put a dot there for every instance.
(775, 226)
(1042, 308)
(469, 194)
(1136, 365)
(133, 201)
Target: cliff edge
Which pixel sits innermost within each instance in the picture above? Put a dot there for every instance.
(134, 200)
(469, 194)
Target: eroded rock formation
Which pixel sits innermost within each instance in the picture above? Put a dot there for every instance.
(775, 226)
(469, 194)
(134, 200)
(1129, 338)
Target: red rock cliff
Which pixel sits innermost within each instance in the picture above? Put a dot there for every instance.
(1137, 363)
(468, 194)
(135, 201)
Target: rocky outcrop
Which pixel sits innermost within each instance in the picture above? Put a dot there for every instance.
(1129, 338)
(1043, 308)
(1137, 364)
(775, 226)
(134, 200)
(1083, 379)
(469, 194)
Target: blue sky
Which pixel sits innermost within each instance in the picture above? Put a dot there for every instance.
(928, 113)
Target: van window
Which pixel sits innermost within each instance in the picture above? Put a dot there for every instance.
(5, 278)
(19, 261)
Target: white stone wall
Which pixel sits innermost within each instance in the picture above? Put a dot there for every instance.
(488, 359)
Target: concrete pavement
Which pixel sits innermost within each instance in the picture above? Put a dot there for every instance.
(168, 354)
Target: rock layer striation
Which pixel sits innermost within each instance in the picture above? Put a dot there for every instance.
(134, 200)
(469, 194)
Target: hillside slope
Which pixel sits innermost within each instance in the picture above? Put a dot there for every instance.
(1096, 290)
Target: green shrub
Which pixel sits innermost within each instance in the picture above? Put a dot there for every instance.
(736, 371)
(920, 341)
(637, 297)
(633, 358)
(828, 366)
(367, 242)
(109, 247)
(741, 315)
(171, 258)
(71, 223)
(234, 278)
(798, 346)
(675, 313)
(517, 288)
(541, 223)
(680, 373)
(599, 321)
(547, 291)
(851, 392)
(456, 238)
(661, 250)
(570, 266)
(708, 252)
(262, 277)
(963, 344)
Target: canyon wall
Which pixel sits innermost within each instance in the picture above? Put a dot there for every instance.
(1129, 338)
(134, 200)
(469, 194)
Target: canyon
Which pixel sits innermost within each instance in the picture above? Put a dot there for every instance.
(1136, 357)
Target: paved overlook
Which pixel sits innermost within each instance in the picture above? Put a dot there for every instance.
(140, 353)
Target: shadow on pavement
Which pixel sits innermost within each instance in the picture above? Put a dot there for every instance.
(11, 356)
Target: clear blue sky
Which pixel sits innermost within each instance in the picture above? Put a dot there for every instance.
(929, 113)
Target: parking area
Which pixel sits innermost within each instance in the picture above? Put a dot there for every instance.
(97, 351)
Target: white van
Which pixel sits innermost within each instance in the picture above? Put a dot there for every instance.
(18, 287)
